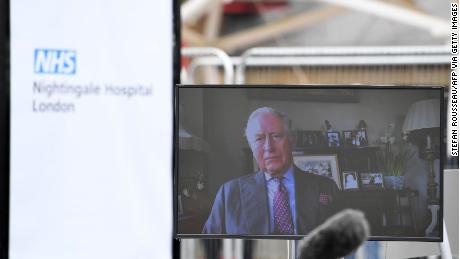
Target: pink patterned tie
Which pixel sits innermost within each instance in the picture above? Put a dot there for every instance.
(282, 210)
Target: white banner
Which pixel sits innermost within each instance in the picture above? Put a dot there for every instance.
(91, 129)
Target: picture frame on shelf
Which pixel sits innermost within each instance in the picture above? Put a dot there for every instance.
(324, 165)
(333, 139)
(371, 181)
(347, 138)
(350, 180)
(361, 138)
(355, 138)
(310, 139)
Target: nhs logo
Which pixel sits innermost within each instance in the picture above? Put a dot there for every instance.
(55, 61)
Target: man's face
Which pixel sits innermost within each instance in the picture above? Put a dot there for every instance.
(270, 144)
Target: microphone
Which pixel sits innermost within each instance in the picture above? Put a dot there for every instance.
(337, 237)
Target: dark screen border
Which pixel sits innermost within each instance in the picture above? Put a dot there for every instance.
(442, 147)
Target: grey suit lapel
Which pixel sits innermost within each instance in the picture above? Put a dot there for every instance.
(306, 203)
(255, 204)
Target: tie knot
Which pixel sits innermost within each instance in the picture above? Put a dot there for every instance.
(279, 179)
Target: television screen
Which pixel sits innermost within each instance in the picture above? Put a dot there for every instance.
(277, 161)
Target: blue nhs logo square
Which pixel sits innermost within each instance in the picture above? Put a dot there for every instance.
(55, 61)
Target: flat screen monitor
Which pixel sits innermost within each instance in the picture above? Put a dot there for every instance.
(276, 161)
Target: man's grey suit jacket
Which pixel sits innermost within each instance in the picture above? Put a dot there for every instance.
(241, 205)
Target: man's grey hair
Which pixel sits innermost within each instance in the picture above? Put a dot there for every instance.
(264, 110)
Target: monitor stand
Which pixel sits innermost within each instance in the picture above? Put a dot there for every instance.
(291, 251)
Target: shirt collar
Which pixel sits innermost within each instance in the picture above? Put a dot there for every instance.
(288, 175)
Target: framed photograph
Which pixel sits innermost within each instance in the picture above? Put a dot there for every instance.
(372, 180)
(324, 165)
(361, 138)
(355, 138)
(333, 139)
(310, 139)
(350, 181)
(347, 138)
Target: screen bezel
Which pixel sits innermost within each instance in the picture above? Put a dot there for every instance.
(442, 147)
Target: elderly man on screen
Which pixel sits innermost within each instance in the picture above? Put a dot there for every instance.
(279, 199)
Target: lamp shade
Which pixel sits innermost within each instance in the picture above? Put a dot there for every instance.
(423, 114)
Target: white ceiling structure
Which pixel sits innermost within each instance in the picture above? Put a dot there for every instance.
(324, 23)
